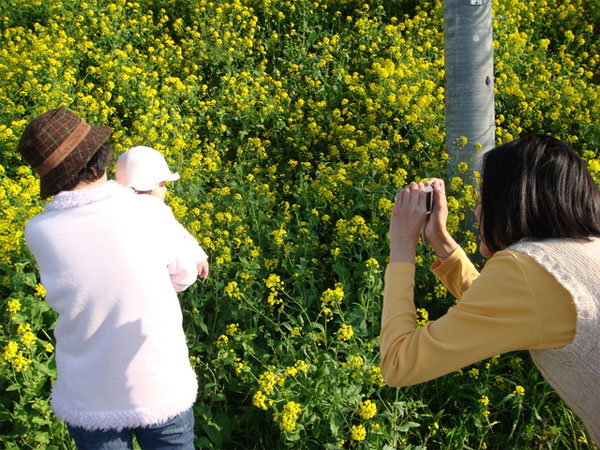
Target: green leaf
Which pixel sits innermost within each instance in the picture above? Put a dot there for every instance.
(214, 433)
(407, 426)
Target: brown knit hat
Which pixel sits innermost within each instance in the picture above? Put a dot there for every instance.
(58, 144)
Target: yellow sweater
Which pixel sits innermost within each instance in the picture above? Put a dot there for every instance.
(514, 304)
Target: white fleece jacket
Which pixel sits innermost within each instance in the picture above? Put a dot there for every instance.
(111, 262)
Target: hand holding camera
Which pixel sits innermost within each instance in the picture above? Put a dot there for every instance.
(408, 217)
(428, 198)
(420, 209)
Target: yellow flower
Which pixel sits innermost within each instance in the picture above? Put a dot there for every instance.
(232, 328)
(290, 371)
(28, 338)
(376, 377)
(273, 281)
(271, 264)
(518, 361)
(222, 341)
(301, 366)
(23, 328)
(358, 432)
(278, 236)
(20, 363)
(239, 365)
(40, 291)
(519, 390)
(368, 409)
(267, 381)
(273, 299)
(569, 36)
(440, 291)
(13, 306)
(372, 263)
(354, 362)
(291, 411)
(345, 332)
(463, 167)
(422, 317)
(258, 400)
(232, 290)
(10, 351)
(385, 205)
(333, 296)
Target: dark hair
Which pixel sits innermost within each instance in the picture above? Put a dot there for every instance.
(537, 187)
(93, 170)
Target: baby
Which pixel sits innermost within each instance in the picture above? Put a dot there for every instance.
(145, 171)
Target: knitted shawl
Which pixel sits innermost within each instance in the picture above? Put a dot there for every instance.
(574, 370)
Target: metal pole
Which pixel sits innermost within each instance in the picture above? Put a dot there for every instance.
(469, 81)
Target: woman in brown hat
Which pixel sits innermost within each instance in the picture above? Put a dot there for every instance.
(111, 262)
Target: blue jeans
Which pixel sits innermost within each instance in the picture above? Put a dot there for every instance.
(177, 433)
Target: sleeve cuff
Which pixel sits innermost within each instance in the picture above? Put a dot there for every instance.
(452, 258)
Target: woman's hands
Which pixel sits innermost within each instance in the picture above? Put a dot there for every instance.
(409, 216)
(436, 232)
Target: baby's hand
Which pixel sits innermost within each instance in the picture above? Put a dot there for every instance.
(203, 269)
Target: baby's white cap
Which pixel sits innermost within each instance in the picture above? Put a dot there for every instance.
(143, 169)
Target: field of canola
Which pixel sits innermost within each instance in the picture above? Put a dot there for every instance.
(292, 123)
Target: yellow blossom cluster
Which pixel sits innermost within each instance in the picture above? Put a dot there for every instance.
(275, 286)
(271, 379)
(519, 390)
(14, 356)
(358, 432)
(333, 296)
(376, 377)
(289, 416)
(345, 332)
(368, 409)
(422, 317)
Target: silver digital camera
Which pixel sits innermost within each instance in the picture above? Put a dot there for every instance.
(429, 198)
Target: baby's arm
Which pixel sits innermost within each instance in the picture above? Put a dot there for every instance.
(201, 256)
(203, 269)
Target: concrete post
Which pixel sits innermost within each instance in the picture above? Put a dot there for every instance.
(469, 80)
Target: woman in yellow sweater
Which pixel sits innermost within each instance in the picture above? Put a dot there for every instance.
(539, 221)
